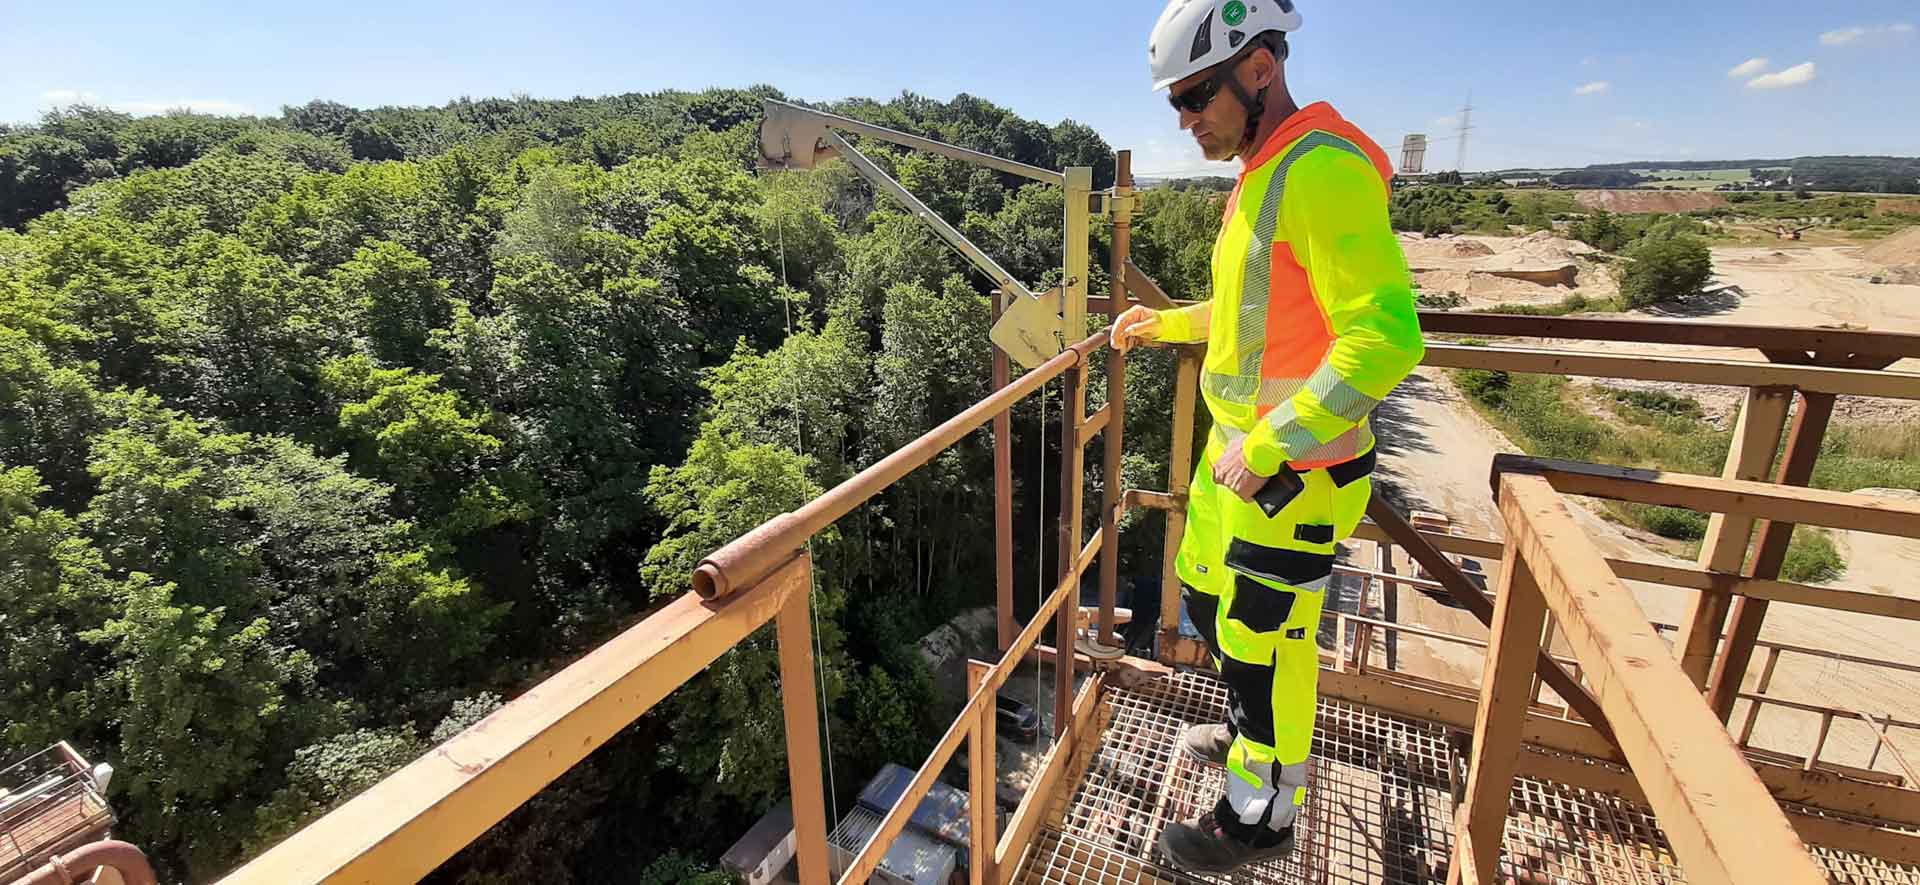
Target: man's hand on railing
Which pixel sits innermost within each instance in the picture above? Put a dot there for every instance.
(1139, 325)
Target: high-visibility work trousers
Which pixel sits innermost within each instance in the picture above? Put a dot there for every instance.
(1253, 587)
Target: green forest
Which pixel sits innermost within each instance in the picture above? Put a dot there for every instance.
(322, 434)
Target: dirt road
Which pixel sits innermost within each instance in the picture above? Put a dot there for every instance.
(1436, 452)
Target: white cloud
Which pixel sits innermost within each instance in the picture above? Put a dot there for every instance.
(197, 105)
(1594, 88)
(1632, 123)
(1748, 68)
(62, 97)
(1590, 61)
(1793, 76)
(1447, 122)
(1844, 36)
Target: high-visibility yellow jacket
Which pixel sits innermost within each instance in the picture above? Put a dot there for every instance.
(1312, 320)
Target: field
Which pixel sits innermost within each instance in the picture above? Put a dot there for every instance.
(1694, 179)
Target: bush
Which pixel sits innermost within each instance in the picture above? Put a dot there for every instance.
(1442, 301)
(679, 869)
(1486, 385)
(1811, 557)
(1655, 401)
(1601, 231)
(1670, 522)
(1665, 270)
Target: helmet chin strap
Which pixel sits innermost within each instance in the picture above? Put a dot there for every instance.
(1256, 105)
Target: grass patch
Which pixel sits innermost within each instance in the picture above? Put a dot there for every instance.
(1440, 301)
(1539, 414)
(1667, 522)
(1654, 428)
(1656, 401)
(1861, 456)
(1544, 416)
(1811, 557)
(1575, 303)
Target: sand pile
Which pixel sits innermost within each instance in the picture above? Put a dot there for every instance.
(1467, 248)
(1898, 257)
(1895, 251)
(1649, 201)
(1541, 247)
(1482, 289)
(1421, 250)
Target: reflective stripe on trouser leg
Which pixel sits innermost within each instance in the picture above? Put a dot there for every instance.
(1274, 700)
(1269, 615)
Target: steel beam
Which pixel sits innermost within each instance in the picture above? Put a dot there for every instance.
(1756, 437)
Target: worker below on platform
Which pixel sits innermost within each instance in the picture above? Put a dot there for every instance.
(1310, 325)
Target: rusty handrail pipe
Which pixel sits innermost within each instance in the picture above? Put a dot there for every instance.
(79, 865)
(753, 555)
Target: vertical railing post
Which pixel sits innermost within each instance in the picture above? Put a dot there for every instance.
(1389, 600)
(1113, 437)
(1756, 437)
(1003, 496)
(1520, 612)
(1186, 388)
(1546, 644)
(1072, 474)
(1075, 251)
(983, 779)
(808, 790)
(1796, 469)
(1753, 706)
(1820, 742)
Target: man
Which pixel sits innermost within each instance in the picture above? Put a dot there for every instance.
(1311, 324)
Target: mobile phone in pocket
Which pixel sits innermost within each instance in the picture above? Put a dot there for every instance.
(1279, 491)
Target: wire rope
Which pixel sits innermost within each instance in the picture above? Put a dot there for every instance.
(813, 590)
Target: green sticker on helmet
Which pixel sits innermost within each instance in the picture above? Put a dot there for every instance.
(1233, 13)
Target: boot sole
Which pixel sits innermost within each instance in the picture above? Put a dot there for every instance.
(1261, 856)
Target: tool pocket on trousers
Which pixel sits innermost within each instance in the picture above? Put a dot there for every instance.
(1261, 608)
(1278, 563)
(1252, 709)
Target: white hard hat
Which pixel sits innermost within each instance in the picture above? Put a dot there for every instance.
(1194, 35)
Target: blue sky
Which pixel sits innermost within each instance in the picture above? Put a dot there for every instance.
(1552, 83)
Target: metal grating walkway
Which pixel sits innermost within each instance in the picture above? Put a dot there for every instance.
(1379, 808)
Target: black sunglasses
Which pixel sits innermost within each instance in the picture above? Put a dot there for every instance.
(1200, 94)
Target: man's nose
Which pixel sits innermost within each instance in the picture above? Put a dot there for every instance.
(1188, 118)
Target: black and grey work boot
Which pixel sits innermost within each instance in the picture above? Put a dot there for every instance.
(1201, 846)
(1208, 743)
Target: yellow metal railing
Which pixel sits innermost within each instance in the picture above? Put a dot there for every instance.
(1720, 818)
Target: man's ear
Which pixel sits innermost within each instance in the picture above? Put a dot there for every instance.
(1262, 69)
